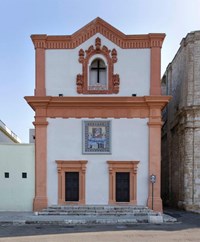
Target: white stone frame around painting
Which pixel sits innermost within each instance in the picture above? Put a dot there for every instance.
(96, 137)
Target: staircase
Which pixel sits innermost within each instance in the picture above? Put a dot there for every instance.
(101, 214)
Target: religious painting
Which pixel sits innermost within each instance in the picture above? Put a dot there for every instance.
(96, 137)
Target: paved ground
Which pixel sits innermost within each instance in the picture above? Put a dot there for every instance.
(186, 229)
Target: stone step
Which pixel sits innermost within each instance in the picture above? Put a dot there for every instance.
(109, 207)
(100, 214)
(104, 221)
(97, 210)
(93, 214)
(91, 220)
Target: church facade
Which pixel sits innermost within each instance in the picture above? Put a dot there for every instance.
(97, 106)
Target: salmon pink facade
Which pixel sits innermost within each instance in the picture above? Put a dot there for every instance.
(97, 106)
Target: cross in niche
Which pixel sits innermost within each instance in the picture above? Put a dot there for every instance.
(98, 69)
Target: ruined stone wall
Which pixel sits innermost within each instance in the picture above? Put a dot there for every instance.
(165, 172)
(181, 130)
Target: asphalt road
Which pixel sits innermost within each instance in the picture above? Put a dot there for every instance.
(186, 221)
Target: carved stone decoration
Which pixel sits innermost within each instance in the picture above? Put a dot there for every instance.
(113, 80)
(79, 83)
(90, 50)
(116, 82)
(114, 55)
(98, 43)
(81, 55)
(105, 49)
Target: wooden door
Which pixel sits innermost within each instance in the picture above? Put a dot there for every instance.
(72, 186)
(122, 187)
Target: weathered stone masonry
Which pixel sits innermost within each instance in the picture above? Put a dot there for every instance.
(181, 129)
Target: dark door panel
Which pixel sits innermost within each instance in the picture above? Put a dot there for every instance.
(122, 187)
(71, 186)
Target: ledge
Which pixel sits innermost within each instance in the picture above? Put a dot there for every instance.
(99, 107)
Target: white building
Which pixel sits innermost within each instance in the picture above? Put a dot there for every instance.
(7, 136)
(17, 177)
(17, 172)
(97, 122)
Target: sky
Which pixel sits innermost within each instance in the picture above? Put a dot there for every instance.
(21, 18)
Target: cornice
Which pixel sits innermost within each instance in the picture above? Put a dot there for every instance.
(72, 162)
(99, 107)
(114, 162)
(98, 25)
(52, 101)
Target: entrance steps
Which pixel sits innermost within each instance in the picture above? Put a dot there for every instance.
(94, 210)
(104, 214)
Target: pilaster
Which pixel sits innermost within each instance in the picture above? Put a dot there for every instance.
(40, 46)
(155, 83)
(155, 125)
(40, 200)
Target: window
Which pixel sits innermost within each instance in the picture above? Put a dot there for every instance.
(6, 174)
(24, 175)
(98, 75)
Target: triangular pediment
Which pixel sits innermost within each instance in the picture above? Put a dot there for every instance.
(100, 26)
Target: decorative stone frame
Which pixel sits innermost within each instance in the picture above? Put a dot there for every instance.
(122, 166)
(71, 166)
(113, 80)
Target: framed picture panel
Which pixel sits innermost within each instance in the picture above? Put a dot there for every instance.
(97, 137)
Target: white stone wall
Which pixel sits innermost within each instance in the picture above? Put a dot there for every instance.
(133, 66)
(17, 193)
(129, 142)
